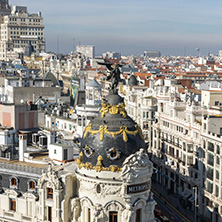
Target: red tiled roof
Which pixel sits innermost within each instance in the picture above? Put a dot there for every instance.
(142, 75)
(181, 90)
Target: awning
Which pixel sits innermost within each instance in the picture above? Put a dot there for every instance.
(29, 130)
(186, 193)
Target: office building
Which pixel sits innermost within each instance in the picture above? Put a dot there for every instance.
(152, 54)
(87, 50)
(19, 29)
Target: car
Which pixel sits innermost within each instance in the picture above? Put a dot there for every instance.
(159, 216)
(158, 212)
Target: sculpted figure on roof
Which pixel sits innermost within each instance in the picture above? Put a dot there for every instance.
(114, 74)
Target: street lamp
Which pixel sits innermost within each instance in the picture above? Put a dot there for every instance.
(195, 203)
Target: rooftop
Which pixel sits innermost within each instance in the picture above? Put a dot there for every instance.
(19, 163)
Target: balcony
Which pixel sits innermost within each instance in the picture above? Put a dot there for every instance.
(180, 121)
(177, 104)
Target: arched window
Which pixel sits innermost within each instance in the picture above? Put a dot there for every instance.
(31, 185)
(13, 182)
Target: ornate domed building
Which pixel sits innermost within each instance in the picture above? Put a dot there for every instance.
(114, 172)
(110, 183)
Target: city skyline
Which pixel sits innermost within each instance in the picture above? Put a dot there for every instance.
(172, 27)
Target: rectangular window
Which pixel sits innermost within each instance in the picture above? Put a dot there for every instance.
(210, 173)
(218, 160)
(89, 215)
(189, 160)
(217, 175)
(190, 148)
(12, 204)
(138, 215)
(210, 187)
(210, 159)
(217, 191)
(50, 214)
(211, 146)
(113, 216)
(49, 193)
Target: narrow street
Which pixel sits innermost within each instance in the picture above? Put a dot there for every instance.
(168, 210)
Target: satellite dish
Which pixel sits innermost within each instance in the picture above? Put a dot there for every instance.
(22, 101)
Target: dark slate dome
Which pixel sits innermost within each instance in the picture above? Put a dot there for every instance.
(132, 81)
(111, 137)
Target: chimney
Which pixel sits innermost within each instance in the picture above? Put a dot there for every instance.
(22, 146)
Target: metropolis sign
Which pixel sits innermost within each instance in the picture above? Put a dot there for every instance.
(137, 188)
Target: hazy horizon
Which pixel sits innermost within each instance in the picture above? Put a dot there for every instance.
(131, 27)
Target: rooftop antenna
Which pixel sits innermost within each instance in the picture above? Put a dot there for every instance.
(185, 51)
(58, 44)
(73, 42)
(198, 52)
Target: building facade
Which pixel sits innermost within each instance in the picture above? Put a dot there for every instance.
(186, 147)
(86, 50)
(109, 182)
(152, 54)
(18, 30)
(5, 9)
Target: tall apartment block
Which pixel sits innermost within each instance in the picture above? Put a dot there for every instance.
(18, 30)
(5, 9)
(86, 50)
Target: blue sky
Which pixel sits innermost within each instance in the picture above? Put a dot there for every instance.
(131, 26)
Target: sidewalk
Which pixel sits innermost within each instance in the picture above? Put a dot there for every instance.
(173, 199)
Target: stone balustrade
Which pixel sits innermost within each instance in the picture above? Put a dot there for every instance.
(23, 168)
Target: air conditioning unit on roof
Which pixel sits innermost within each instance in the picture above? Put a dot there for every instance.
(43, 141)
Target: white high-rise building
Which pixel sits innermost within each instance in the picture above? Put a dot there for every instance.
(152, 54)
(20, 29)
(86, 50)
(5, 9)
